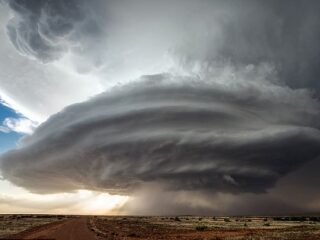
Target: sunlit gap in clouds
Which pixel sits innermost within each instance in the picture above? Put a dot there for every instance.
(19, 200)
(101, 203)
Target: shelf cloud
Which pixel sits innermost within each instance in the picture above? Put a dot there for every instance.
(185, 134)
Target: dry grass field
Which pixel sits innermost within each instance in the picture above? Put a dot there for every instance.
(15, 223)
(197, 228)
(180, 227)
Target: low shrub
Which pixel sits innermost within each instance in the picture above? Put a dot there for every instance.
(201, 228)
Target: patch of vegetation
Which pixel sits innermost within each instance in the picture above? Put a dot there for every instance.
(201, 228)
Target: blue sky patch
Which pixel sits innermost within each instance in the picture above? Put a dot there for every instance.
(10, 139)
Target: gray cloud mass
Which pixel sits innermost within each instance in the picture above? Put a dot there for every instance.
(46, 30)
(284, 33)
(188, 136)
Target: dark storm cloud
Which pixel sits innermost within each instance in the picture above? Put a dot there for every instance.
(186, 135)
(283, 33)
(47, 29)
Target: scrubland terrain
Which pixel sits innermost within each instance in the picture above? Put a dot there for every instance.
(197, 228)
(15, 223)
(173, 227)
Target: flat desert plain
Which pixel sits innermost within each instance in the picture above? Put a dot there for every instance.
(158, 227)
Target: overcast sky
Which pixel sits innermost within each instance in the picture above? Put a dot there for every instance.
(160, 107)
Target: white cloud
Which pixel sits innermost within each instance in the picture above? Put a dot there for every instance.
(4, 129)
(19, 125)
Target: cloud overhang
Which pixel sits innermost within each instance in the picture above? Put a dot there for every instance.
(185, 135)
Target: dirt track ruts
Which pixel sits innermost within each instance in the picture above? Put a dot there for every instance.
(74, 229)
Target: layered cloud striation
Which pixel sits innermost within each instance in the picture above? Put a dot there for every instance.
(182, 133)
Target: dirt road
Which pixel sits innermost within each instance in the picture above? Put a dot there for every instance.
(74, 229)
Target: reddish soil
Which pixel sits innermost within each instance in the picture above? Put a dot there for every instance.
(74, 229)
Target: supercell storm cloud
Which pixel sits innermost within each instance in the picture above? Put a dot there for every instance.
(210, 96)
(186, 135)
